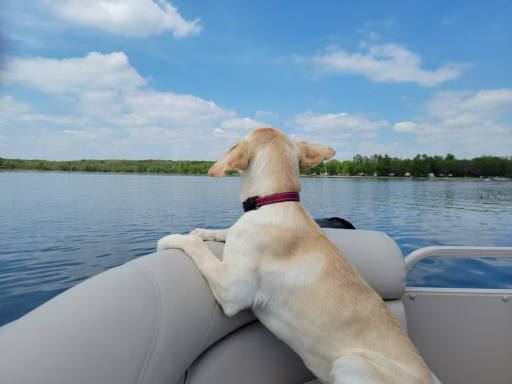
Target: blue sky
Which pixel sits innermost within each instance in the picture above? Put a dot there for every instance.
(142, 79)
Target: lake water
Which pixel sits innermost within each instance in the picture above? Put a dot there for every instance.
(57, 229)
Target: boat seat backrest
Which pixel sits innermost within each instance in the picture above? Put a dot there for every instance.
(154, 321)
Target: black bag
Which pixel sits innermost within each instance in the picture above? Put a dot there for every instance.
(334, 222)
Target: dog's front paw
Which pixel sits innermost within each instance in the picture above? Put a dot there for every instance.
(176, 241)
(170, 242)
(204, 234)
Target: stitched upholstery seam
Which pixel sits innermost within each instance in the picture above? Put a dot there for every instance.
(156, 325)
(209, 329)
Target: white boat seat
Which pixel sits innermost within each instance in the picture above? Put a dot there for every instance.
(154, 321)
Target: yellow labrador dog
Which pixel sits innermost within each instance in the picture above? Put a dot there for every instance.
(279, 262)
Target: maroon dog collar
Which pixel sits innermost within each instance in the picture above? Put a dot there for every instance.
(255, 202)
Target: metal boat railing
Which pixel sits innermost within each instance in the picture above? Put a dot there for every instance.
(455, 251)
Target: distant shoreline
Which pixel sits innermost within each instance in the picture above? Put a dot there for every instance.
(236, 175)
(375, 166)
(395, 177)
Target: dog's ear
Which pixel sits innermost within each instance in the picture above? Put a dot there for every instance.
(310, 154)
(237, 158)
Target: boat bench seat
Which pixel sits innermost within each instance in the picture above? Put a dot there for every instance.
(154, 321)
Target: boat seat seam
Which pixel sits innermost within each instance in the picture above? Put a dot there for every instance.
(209, 328)
(156, 325)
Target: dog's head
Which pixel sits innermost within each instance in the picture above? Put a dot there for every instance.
(265, 148)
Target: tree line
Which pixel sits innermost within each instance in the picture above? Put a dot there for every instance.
(379, 165)
(419, 166)
(135, 166)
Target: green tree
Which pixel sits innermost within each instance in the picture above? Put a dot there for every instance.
(333, 167)
(383, 166)
(420, 165)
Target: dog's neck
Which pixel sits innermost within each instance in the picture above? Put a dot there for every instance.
(263, 177)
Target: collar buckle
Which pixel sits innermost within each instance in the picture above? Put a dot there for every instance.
(250, 203)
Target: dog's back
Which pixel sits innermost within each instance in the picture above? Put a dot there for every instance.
(310, 296)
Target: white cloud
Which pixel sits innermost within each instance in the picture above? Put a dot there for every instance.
(88, 134)
(101, 103)
(128, 17)
(336, 122)
(234, 128)
(382, 63)
(341, 131)
(483, 102)
(12, 110)
(114, 113)
(468, 123)
(241, 124)
(173, 109)
(222, 134)
(9, 107)
(95, 71)
(404, 126)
